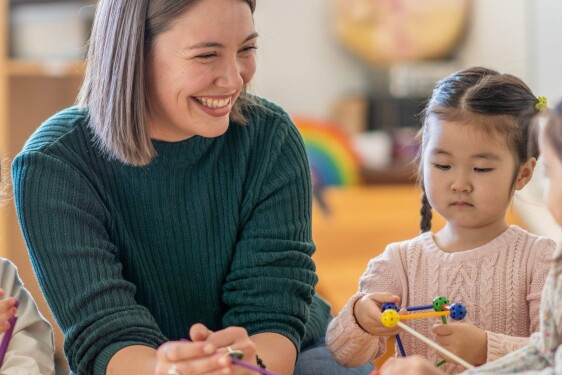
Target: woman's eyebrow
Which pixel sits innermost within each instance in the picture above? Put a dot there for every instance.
(217, 44)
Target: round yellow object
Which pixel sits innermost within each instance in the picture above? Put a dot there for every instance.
(390, 318)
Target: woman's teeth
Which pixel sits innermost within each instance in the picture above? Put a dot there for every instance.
(213, 103)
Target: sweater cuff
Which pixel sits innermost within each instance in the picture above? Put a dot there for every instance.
(500, 345)
(102, 360)
(349, 343)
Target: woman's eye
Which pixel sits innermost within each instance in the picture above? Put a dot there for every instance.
(249, 49)
(205, 56)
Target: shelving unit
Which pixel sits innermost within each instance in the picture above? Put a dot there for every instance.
(30, 92)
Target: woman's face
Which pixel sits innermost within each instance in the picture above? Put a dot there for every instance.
(197, 69)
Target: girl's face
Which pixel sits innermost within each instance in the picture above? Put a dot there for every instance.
(553, 169)
(197, 69)
(468, 175)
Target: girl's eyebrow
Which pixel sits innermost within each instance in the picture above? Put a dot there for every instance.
(440, 151)
(483, 155)
(487, 155)
(217, 44)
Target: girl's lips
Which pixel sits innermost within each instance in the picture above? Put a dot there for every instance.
(461, 204)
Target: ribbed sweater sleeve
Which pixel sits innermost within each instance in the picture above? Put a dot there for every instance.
(214, 231)
(31, 350)
(272, 264)
(77, 264)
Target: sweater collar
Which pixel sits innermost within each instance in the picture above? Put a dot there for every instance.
(506, 238)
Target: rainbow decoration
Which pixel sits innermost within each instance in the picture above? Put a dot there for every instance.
(333, 161)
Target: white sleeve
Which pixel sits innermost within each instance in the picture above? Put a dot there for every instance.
(31, 349)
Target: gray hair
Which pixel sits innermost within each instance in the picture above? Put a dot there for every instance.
(115, 89)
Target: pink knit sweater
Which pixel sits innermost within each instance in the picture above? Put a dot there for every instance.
(500, 284)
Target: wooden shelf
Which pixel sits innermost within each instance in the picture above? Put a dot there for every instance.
(399, 173)
(24, 68)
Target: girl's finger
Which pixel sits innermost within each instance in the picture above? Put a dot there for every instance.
(5, 316)
(7, 304)
(384, 297)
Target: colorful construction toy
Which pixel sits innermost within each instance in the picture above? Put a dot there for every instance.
(391, 318)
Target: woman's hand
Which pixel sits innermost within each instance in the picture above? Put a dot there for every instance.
(463, 339)
(367, 311)
(411, 365)
(7, 311)
(206, 353)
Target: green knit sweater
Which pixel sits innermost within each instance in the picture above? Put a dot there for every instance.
(216, 231)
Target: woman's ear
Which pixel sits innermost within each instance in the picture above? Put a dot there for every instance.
(525, 173)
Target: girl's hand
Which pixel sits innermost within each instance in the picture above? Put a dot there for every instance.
(463, 339)
(367, 311)
(7, 311)
(207, 353)
(411, 365)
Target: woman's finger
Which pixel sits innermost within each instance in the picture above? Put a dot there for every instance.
(215, 364)
(199, 332)
(174, 351)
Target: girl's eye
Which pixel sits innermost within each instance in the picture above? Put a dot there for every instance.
(482, 170)
(442, 167)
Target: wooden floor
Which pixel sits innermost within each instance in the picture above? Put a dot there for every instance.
(363, 220)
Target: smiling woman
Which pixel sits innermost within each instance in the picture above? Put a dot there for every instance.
(179, 204)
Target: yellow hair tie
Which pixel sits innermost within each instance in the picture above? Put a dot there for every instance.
(542, 103)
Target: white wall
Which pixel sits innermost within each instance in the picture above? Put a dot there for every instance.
(302, 67)
(499, 37)
(546, 51)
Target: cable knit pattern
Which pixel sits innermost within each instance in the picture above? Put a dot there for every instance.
(543, 355)
(500, 283)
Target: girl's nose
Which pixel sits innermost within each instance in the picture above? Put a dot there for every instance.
(461, 184)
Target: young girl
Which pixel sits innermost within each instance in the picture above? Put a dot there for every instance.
(473, 156)
(544, 353)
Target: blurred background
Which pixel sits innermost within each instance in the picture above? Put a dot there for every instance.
(353, 75)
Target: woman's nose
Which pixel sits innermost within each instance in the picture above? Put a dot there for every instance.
(230, 76)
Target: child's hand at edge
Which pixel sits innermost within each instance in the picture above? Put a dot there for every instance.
(411, 365)
(367, 312)
(7, 311)
(463, 339)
